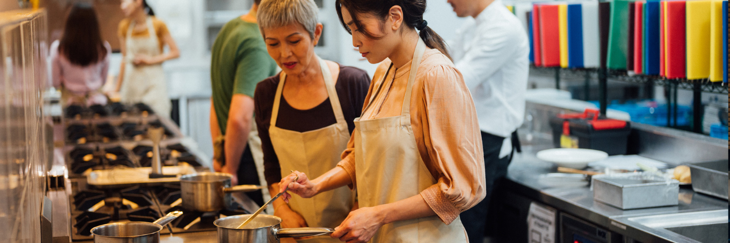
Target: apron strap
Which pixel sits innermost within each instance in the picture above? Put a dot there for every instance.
(151, 29)
(277, 99)
(417, 55)
(331, 93)
(377, 91)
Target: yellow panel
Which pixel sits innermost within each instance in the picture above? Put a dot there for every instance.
(716, 41)
(698, 39)
(563, 22)
(511, 8)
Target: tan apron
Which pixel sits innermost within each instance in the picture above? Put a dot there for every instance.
(389, 168)
(145, 83)
(314, 153)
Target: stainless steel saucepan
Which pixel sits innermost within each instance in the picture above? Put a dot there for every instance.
(132, 232)
(263, 228)
(209, 191)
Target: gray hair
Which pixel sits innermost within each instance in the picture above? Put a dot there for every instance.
(280, 13)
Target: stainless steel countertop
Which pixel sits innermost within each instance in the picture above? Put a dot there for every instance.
(577, 198)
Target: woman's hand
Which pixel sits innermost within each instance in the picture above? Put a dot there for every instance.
(360, 225)
(298, 183)
(289, 218)
(142, 59)
(217, 166)
(233, 173)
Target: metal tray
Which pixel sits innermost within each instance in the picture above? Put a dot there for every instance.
(709, 178)
(635, 192)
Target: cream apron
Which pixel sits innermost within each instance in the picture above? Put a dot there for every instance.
(314, 153)
(389, 168)
(145, 83)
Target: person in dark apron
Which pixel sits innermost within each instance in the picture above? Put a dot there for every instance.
(305, 113)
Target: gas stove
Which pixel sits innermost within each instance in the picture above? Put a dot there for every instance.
(91, 207)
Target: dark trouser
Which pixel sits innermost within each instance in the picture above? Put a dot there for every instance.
(248, 175)
(475, 219)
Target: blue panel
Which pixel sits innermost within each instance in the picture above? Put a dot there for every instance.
(575, 36)
(651, 40)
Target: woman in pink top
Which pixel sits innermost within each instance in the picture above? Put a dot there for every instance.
(80, 60)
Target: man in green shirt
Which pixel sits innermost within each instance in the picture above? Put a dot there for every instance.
(239, 61)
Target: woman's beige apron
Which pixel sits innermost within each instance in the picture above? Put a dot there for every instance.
(145, 83)
(314, 153)
(389, 168)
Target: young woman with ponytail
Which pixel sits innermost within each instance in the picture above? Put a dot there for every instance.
(415, 157)
(142, 38)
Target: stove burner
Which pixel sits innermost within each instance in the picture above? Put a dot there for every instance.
(86, 199)
(117, 108)
(74, 110)
(146, 214)
(145, 155)
(186, 220)
(88, 220)
(188, 158)
(75, 132)
(168, 194)
(194, 220)
(177, 147)
(99, 110)
(107, 131)
(141, 150)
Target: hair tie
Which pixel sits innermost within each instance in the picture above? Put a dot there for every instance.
(422, 25)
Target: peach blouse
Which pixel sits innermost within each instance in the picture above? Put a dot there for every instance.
(445, 126)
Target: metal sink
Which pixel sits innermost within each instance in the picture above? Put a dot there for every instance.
(707, 226)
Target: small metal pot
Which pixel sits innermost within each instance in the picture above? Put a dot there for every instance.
(132, 232)
(263, 228)
(209, 191)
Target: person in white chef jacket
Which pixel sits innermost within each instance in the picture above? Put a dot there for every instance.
(491, 51)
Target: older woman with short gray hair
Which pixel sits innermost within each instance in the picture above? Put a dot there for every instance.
(306, 113)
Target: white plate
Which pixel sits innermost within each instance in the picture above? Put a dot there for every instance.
(571, 158)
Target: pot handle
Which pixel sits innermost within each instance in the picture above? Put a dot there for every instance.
(242, 188)
(302, 232)
(168, 218)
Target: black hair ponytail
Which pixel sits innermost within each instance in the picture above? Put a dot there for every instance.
(413, 11)
(147, 8)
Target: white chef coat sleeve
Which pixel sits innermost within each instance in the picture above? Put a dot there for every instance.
(494, 47)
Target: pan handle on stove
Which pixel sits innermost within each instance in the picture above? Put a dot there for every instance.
(242, 188)
(302, 232)
(168, 218)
